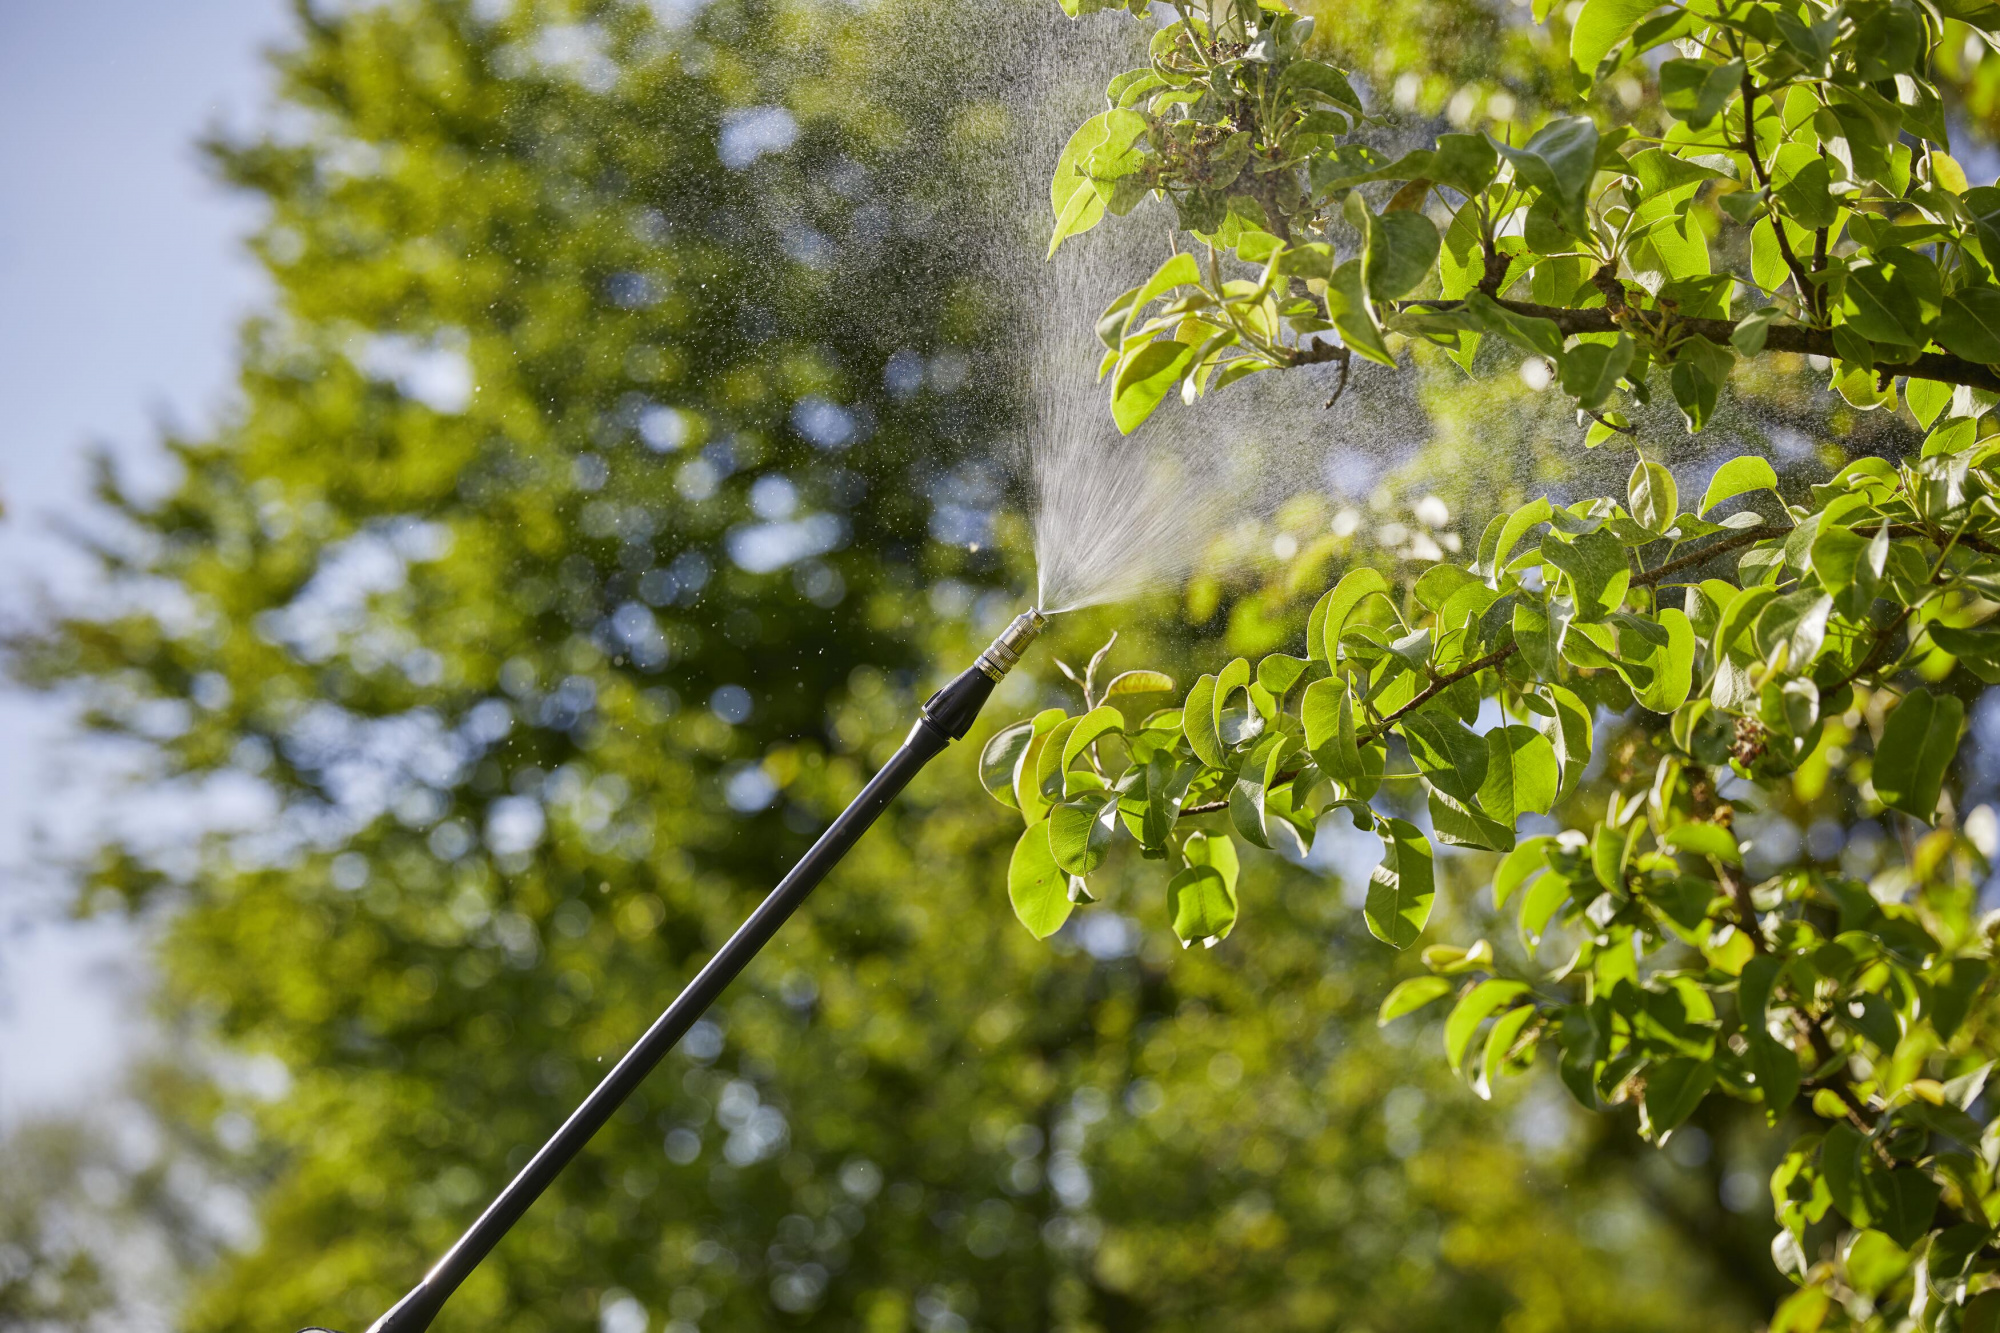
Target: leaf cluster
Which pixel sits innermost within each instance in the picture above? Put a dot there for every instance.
(1801, 199)
(1751, 646)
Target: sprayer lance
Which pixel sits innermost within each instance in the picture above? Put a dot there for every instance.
(947, 716)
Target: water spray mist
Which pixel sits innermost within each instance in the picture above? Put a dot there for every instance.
(947, 716)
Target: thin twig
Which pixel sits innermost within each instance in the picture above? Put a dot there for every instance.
(1346, 363)
(1878, 654)
(1598, 417)
(1746, 910)
(1807, 292)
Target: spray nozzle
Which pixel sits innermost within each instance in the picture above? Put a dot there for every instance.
(1001, 655)
(952, 709)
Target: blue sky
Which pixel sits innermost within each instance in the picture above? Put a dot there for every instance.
(122, 281)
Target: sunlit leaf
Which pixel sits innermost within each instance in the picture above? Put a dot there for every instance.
(1036, 885)
(1402, 888)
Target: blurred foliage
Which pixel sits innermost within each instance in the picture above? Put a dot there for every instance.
(104, 1213)
(594, 514)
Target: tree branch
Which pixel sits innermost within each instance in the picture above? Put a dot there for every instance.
(1798, 338)
(1438, 684)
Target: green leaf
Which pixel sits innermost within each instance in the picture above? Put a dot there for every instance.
(1347, 301)
(1330, 617)
(1807, 195)
(1090, 728)
(1970, 324)
(1569, 730)
(1459, 823)
(1597, 570)
(1654, 498)
(1200, 905)
(1953, 993)
(1674, 1088)
(1474, 1008)
(1234, 677)
(1983, 203)
(1466, 162)
(1036, 885)
(1928, 398)
(1809, 43)
(1521, 773)
(1887, 41)
(1672, 665)
(1402, 247)
(1436, 585)
(1450, 755)
(1599, 27)
(1750, 332)
(1767, 262)
(1841, 1163)
(1530, 332)
(1918, 742)
(1198, 722)
(1077, 195)
(1201, 900)
(1904, 1200)
(1560, 160)
(1836, 556)
(1144, 378)
(1777, 1071)
(1738, 476)
(1500, 1039)
(1660, 172)
(1704, 839)
(1324, 82)
(1696, 90)
(1410, 996)
(1520, 866)
(1610, 853)
(1279, 673)
(1048, 761)
(1977, 650)
(1518, 524)
(1591, 371)
(1540, 902)
(1892, 296)
(1463, 161)
(1700, 370)
(1080, 832)
(1167, 781)
(1402, 888)
(1139, 682)
(1462, 261)
(997, 760)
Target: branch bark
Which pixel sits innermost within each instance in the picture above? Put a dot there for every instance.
(1798, 338)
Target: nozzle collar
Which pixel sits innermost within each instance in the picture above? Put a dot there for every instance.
(1004, 652)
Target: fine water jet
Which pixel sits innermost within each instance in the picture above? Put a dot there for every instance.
(945, 717)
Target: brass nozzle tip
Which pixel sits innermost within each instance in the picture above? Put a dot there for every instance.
(1002, 654)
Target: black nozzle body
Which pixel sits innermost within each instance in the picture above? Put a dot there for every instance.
(954, 708)
(947, 716)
